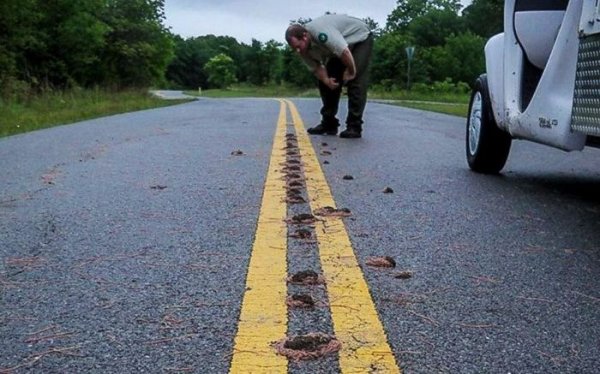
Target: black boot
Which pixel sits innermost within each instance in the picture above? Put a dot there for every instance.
(322, 129)
(351, 133)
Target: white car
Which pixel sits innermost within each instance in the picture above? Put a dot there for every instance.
(542, 82)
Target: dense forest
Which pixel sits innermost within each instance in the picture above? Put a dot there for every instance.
(116, 44)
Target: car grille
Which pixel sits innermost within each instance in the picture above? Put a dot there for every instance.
(586, 101)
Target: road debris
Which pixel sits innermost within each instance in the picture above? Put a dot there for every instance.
(306, 277)
(302, 218)
(309, 346)
(328, 211)
(294, 198)
(381, 262)
(403, 275)
(300, 301)
(302, 234)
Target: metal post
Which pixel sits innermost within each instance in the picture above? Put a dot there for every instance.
(410, 52)
(408, 77)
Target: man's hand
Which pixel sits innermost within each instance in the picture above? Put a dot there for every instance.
(332, 83)
(348, 76)
(321, 74)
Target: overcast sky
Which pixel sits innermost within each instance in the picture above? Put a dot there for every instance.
(262, 20)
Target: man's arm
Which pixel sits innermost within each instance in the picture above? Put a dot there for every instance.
(321, 73)
(350, 73)
(348, 61)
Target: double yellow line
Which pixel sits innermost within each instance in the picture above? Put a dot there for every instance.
(263, 317)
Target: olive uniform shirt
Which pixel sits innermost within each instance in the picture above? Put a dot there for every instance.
(330, 35)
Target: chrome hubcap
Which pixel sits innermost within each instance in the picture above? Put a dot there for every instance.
(475, 123)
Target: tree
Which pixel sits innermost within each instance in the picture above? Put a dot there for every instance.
(263, 62)
(444, 50)
(485, 17)
(66, 43)
(186, 70)
(466, 59)
(274, 60)
(257, 68)
(51, 44)
(76, 38)
(295, 71)
(409, 10)
(220, 70)
(138, 46)
(460, 59)
(389, 63)
(433, 27)
(18, 34)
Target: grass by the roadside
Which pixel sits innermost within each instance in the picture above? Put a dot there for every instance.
(52, 109)
(448, 103)
(455, 109)
(434, 101)
(245, 90)
(430, 96)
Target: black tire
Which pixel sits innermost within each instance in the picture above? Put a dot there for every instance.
(487, 145)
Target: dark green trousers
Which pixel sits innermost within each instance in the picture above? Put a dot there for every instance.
(357, 87)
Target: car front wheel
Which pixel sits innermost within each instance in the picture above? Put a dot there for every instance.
(487, 145)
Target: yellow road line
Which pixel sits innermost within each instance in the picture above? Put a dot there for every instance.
(263, 317)
(355, 320)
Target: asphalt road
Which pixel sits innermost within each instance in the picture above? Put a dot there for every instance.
(125, 243)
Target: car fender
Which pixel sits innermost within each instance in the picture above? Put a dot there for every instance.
(547, 118)
(494, 66)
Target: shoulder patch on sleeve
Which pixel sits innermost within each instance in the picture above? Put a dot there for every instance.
(322, 37)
